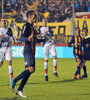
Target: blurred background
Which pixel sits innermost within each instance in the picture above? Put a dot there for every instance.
(54, 10)
(62, 15)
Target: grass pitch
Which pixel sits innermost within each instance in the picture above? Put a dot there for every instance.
(62, 88)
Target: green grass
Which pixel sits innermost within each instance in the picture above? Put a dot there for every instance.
(62, 88)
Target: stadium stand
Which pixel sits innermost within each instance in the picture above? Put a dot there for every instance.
(53, 10)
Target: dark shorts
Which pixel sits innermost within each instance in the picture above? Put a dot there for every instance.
(29, 60)
(79, 57)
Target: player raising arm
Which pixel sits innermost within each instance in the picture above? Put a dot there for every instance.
(29, 36)
(48, 47)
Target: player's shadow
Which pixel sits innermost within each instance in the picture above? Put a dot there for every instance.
(14, 98)
(67, 80)
(4, 85)
(49, 82)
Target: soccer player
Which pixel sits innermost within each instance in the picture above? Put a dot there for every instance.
(29, 36)
(5, 46)
(48, 47)
(85, 44)
(77, 44)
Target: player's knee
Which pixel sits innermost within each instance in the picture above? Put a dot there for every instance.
(83, 64)
(54, 57)
(31, 69)
(1, 64)
(46, 60)
(79, 63)
(9, 63)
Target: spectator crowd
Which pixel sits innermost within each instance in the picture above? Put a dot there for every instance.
(53, 10)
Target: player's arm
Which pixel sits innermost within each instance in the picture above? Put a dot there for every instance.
(71, 43)
(50, 30)
(4, 36)
(1, 36)
(11, 35)
(40, 34)
(23, 37)
(40, 40)
(86, 41)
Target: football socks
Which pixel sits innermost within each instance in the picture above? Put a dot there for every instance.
(10, 69)
(46, 68)
(24, 74)
(55, 65)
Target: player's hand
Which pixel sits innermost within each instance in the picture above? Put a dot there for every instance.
(39, 35)
(1, 36)
(30, 37)
(46, 32)
(87, 45)
(16, 42)
(72, 45)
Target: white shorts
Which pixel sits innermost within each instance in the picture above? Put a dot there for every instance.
(5, 53)
(49, 50)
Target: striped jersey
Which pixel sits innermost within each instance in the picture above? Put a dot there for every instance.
(78, 44)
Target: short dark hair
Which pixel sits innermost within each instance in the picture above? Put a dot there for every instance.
(30, 12)
(79, 29)
(44, 19)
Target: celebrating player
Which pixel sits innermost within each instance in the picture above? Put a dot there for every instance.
(5, 46)
(77, 43)
(48, 47)
(29, 36)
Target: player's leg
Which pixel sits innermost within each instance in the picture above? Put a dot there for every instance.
(29, 69)
(24, 81)
(46, 55)
(10, 69)
(78, 60)
(8, 57)
(46, 69)
(54, 54)
(84, 69)
(55, 66)
(78, 68)
(1, 63)
(1, 57)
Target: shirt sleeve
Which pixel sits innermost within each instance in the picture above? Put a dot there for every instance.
(50, 30)
(39, 31)
(40, 40)
(71, 41)
(23, 37)
(10, 34)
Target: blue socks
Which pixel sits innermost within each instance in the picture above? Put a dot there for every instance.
(24, 74)
(78, 70)
(23, 82)
(85, 70)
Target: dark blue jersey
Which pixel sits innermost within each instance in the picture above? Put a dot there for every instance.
(87, 49)
(29, 29)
